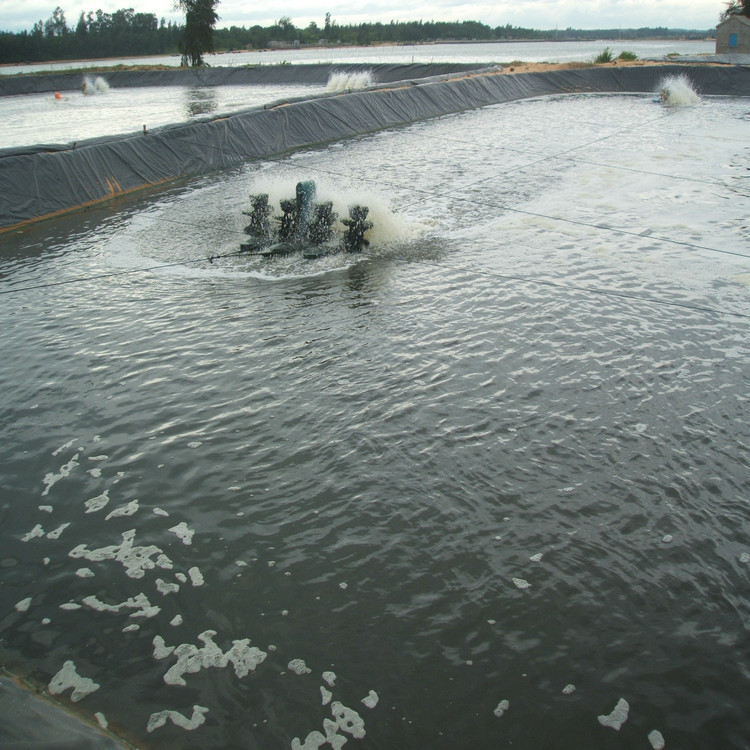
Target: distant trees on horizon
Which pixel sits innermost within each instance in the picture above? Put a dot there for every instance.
(125, 33)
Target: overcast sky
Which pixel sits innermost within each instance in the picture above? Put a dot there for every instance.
(17, 15)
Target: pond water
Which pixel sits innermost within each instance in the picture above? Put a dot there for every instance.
(485, 485)
(74, 116)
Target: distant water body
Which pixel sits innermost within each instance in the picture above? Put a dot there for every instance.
(490, 52)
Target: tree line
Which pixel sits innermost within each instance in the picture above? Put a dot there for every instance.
(122, 33)
(125, 33)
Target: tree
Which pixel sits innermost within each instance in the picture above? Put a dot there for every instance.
(286, 30)
(198, 35)
(56, 25)
(736, 8)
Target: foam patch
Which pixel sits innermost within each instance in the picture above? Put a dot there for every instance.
(160, 718)
(68, 678)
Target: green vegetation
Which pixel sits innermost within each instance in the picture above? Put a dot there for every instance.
(736, 8)
(125, 33)
(198, 34)
(627, 56)
(605, 56)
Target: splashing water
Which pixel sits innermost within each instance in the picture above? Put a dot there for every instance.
(94, 86)
(677, 91)
(388, 226)
(349, 81)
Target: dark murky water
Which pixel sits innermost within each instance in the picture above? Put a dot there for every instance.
(503, 453)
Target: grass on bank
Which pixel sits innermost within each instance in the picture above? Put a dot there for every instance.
(607, 56)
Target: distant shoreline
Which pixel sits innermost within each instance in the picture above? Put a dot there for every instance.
(603, 40)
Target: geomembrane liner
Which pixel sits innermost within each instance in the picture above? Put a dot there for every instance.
(41, 181)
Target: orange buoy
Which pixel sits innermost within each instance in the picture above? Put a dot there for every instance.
(58, 95)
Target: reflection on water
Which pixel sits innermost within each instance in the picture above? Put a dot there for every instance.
(200, 100)
(484, 486)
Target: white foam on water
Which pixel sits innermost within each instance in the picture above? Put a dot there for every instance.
(176, 620)
(139, 603)
(96, 472)
(23, 605)
(161, 650)
(521, 583)
(70, 606)
(85, 573)
(656, 739)
(298, 666)
(135, 559)
(569, 689)
(65, 447)
(181, 577)
(183, 533)
(51, 479)
(371, 700)
(95, 504)
(344, 81)
(348, 720)
(192, 658)
(536, 558)
(618, 716)
(196, 577)
(101, 719)
(45, 508)
(313, 741)
(160, 512)
(245, 657)
(329, 678)
(123, 510)
(131, 628)
(58, 531)
(325, 695)
(501, 708)
(68, 678)
(165, 587)
(745, 557)
(160, 718)
(37, 531)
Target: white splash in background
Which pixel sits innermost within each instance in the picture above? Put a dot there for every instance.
(343, 81)
(92, 86)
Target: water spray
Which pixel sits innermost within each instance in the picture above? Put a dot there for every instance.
(677, 91)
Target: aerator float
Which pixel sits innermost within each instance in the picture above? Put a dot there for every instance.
(303, 226)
